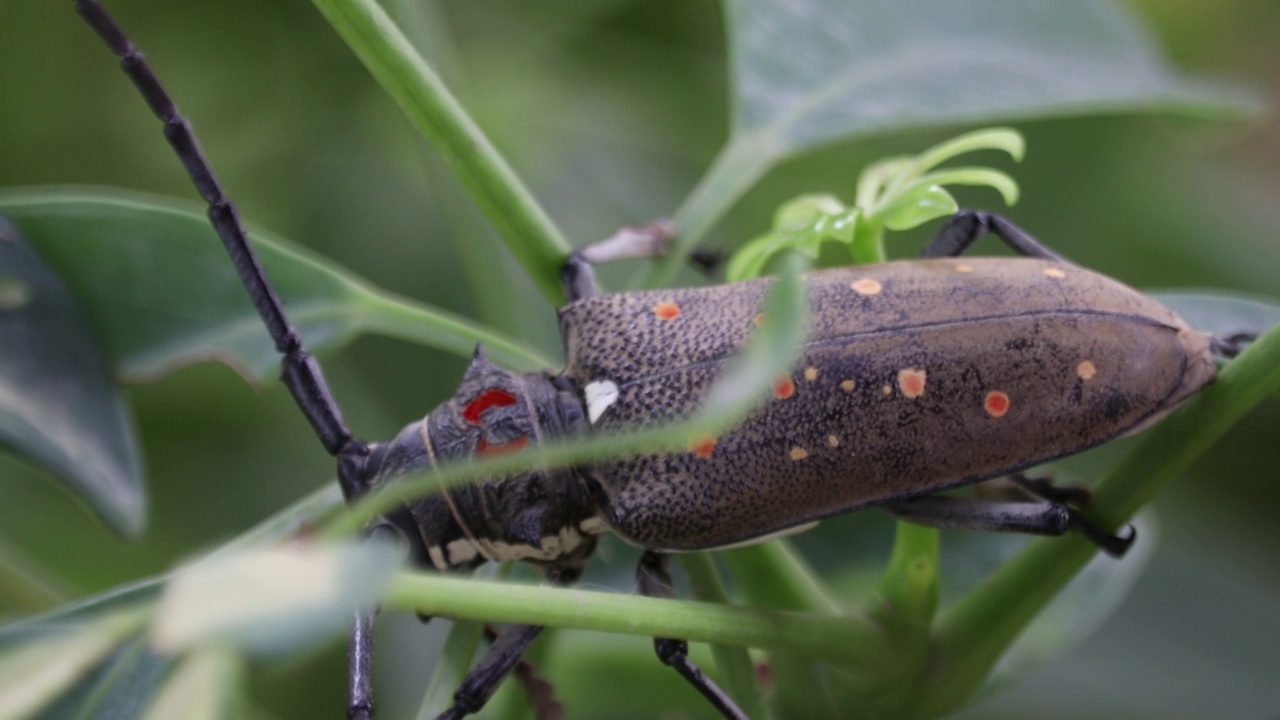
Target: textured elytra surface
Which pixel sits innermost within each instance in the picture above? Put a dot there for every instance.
(916, 376)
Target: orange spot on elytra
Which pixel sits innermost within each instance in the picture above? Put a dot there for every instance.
(799, 453)
(811, 374)
(962, 268)
(911, 382)
(1086, 370)
(886, 389)
(1054, 273)
(996, 404)
(866, 286)
(848, 385)
(704, 446)
(758, 320)
(833, 441)
(783, 388)
(666, 310)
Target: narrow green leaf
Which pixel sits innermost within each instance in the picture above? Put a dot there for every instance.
(32, 675)
(159, 289)
(205, 686)
(528, 231)
(271, 599)
(120, 688)
(59, 405)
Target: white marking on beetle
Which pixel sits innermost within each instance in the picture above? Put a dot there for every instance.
(437, 557)
(460, 551)
(765, 538)
(594, 525)
(599, 396)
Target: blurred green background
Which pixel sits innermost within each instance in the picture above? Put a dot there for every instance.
(611, 110)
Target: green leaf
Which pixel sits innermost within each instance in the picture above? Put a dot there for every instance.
(1222, 313)
(811, 72)
(161, 292)
(35, 673)
(273, 599)
(205, 686)
(59, 405)
(918, 206)
(118, 689)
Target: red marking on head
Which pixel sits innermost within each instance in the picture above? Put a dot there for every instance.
(996, 404)
(488, 399)
(484, 448)
(703, 447)
(911, 382)
(784, 387)
(666, 311)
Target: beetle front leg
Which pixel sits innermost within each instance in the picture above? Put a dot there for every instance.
(967, 226)
(654, 578)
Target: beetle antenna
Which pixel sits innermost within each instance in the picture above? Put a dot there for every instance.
(300, 372)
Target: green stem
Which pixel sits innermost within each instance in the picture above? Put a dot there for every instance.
(739, 165)
(736, 667)
(774, 575)
(976, 631)
(849, 641)
(526, 229)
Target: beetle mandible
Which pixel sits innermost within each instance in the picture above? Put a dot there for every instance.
(916, 377)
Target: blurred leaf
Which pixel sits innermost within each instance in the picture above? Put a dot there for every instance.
(157, 285)
(811, 72)
(1088, 601)
(59, 405)
(1220, 312)
(917, 206)
(206, 686)
(118, 689)
(271, 599)
(32, 675)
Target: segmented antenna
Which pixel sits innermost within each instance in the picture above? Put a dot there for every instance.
(299, 370)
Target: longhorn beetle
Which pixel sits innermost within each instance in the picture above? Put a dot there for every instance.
(916, 377)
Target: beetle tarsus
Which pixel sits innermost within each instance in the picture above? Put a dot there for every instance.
(1113, 545)
(483, 679)
(1230, 346)
(653, 576)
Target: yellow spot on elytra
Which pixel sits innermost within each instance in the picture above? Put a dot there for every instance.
(911, 382)
(833, 441)
(666, 310)
(1086, 370)
(962, 268)
(811, 373)
(886, 389)
(866, 286)
(799, 453)
(758, 320)
(1054, 273)
(996, 403)
(848, 385)
(783, 388)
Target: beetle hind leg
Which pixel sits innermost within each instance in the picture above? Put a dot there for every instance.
(654, 578)
(1033, 518)
(966, 226)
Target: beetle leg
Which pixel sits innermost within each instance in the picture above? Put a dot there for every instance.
(537, 689)
(967, 226)
(360, 642)
(1033, 518)
(654, 578)
(1077, 495)
(498, 662)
